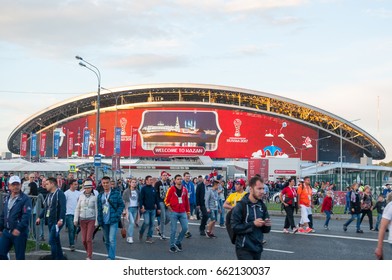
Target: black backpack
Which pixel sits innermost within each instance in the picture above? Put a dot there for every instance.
(229, 229)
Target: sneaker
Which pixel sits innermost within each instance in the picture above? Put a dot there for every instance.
(222, 226)
(188, 234)
(178, 247)
(313, 230)
(213, 235)
(295, 230)
(163, 237)
(326, 227)
(88, 259)
(301, 230)
(72, 248)
(209, 235)
(307, 230)
(149, 240)
(202, 233)
(344, 227)
(359, 231)
(264, 242)
(172, 249)
(130, 240)
(285, 230)
(372, 229)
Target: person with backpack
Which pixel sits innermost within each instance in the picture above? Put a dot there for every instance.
(249, 221)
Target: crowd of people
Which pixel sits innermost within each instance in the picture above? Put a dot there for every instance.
(84, 206)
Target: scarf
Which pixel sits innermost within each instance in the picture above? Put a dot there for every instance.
(353, 196)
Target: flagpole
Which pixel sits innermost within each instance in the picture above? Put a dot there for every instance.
(130, 153)
(31, 144)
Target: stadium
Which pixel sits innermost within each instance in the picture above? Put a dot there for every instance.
(220, 122)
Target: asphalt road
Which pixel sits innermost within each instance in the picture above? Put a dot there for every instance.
(333, 244)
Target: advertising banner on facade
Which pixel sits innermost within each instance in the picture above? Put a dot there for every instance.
(23, 145)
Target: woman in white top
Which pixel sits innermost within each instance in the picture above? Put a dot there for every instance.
(131, 200)
(86, 213)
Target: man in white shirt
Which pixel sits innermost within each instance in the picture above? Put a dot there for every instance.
(72, 197)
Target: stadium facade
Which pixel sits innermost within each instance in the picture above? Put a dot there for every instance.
(190, 120)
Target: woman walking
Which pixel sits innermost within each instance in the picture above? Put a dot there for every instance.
(288, 197)
(86, 214)
(131, 200)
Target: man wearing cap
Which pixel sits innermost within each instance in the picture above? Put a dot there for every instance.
(14, 221)
(54, 214)
(236, 196)
(161, 188)
(72, 196)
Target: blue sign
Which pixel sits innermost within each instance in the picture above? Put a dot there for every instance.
(33, 145)
(86, 139)
(97, 160)
(117, 140)
(56, 143)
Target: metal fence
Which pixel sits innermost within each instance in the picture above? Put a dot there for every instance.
(34, 231)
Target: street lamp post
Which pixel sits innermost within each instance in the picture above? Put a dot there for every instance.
(97, 73)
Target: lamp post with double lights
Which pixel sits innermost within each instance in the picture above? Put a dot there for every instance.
(97, 73)
(317, 159)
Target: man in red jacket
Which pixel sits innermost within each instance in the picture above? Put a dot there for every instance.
(177, 203)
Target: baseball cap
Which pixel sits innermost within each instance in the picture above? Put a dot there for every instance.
(88, 184)
(218, 177)
(14, 179)
(240, 181)
(163, 172)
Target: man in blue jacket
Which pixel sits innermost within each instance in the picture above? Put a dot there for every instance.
(54, 214)
(14, 221)
(110, 208)
(251, 223)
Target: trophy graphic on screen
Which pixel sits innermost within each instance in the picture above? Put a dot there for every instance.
(237, 125)
(123, 123)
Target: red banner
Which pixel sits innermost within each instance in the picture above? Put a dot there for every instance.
(23, 145)
(42, 144)
(102, 141)
(70, 142)
(134, 138)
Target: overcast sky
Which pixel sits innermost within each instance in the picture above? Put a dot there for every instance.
(336, 55)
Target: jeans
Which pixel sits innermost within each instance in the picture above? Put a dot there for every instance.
(192, 208)
(19, 243)
(327, 218)
(222, 214)
(289, 221)
(109, 233)
(353, 217)
(132, 212)
(149, 218)
(164, 218)
(87, 229)
(69, 221)
(368, 213)
(347, 207)
(54, 242)
(182, 218)
(379, 217)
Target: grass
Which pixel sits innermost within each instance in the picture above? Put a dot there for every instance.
(30, 246)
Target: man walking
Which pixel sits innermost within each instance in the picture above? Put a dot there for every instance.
(355, 208)
(305, 203)
(110, 208)
(54, 214)
(178, 204)
(14, 221)
(72, 197)
(251, 223)
(161, 188)
(201, 206)
(148, 206)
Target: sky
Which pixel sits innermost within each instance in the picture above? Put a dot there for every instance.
(332, 54)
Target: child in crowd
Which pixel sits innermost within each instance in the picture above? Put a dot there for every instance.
(327, 208)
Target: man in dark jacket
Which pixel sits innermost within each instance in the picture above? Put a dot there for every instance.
(14, 221)
(161, 188)
(250, 228)
(110, 207)
(201, 206)
(355, 208)
(54, 214)
(149, 204)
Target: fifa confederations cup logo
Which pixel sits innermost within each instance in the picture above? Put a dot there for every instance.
(123, 123)
(237, 125)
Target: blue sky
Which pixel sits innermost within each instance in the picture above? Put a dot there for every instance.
(336, 55)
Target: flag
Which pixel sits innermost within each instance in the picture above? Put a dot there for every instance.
(117, 140)
(86, 139)
(42, 145)
(56, 143)
(23, 145)
(33, 149)
(102, 141)
(70, 142)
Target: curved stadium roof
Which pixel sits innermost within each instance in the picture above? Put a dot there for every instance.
(169, 95)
